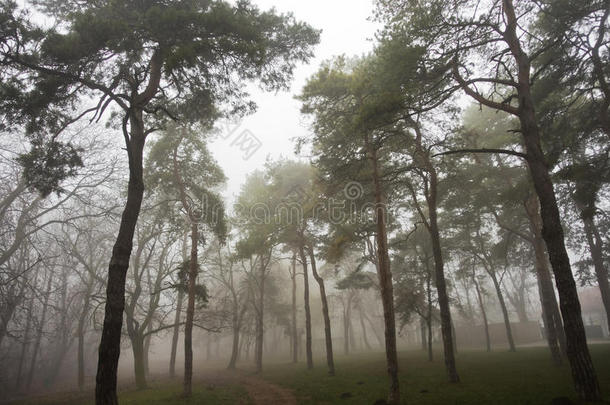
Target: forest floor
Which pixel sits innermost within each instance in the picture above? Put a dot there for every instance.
(499, 377)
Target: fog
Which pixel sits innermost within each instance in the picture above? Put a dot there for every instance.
(291, 202)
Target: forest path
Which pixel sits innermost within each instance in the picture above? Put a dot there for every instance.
(260, 391)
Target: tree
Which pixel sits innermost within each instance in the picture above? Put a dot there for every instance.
(150, 60)
(345, 109)
(190, 170)
(224, 268)
(497, 38)
(256, 210)
(302, 221)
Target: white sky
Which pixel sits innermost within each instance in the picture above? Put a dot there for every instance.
(345, 30)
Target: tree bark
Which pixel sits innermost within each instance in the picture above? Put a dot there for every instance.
(583, 372)
(365, 338)
(237, 323)
(443, 298)
(293, 276)
(385, 277)
(325, 313)
(82, 320)
(137, 346)
(180, 299)
(483, 312)
(260, 331)
(509, 332)
(147, 339)
(175, 335)
(26, 342)
(346, 328)
(431, 223)
(553, 324)
(190, 313)
(429, 315)
(308, 349)
(110, 344)
(595, 243)
(43, 317)
(423, 325)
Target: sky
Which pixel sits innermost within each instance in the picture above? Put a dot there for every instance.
(267, 134)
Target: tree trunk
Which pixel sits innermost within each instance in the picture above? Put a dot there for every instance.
(81, 340)
(43, 317)
(308, 349)
(429, 316)
(346, 329)
(295, 353)
(325, 313)
(137, 346)
(237, 323)
(483, 312)
(260, 332)
(583, 372)
(509, 332)
(422, 331)
(374, 328)
(365, 338)
(553, 324)
(596, 246)
(190, 313)
(350, 329)
(175, 335)
(110, 344)
(24, 347)
(443, 298)
(147, 339)
(385, 278)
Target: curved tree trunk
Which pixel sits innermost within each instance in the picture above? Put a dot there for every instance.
(550, 311)
(583, 372)
(325, 313)
(483, 312)
(509, 332)
(110, 344)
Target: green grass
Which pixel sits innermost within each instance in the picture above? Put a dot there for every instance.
(500, 377)
(161, 394)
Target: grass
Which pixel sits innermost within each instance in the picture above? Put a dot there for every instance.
(158, 394)
(500, 377)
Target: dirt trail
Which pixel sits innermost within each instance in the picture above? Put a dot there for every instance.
(261, 392)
